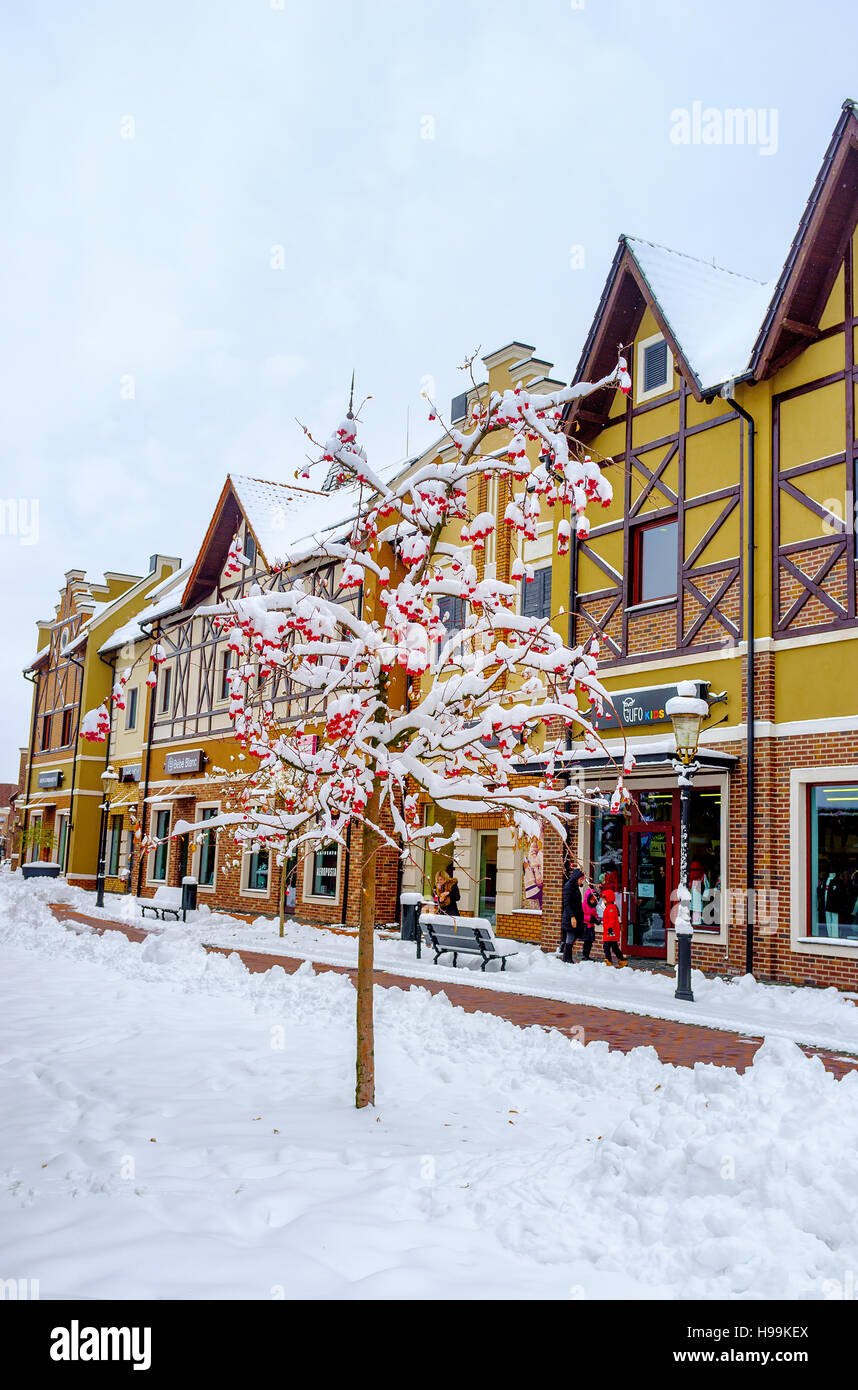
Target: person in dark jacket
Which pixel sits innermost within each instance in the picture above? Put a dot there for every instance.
(572, 918)
(447, 893)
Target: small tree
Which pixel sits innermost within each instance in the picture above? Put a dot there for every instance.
(408, 707)
(36, 836)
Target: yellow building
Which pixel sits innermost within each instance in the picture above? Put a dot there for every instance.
(732, 532)
(60, 802)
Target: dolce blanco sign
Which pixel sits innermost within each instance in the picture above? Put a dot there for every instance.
(636, 708)
(189, 760)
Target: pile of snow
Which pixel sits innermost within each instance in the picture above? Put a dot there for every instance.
(176, 1127)
(818, 1017)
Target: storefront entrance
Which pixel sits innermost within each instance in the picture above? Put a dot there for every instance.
(637, 855)
(648, 861)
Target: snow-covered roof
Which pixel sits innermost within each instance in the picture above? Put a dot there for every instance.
(284, 516)
(714, 314)
(166, 598)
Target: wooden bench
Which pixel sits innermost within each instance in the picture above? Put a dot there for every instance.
(461, 936)
(165, 902)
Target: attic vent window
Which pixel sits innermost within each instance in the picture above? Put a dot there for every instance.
(336, 478)
(654, 368)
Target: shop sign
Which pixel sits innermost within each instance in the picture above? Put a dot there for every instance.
(51, 779)
(130, 773)
(190, 760)
(641, 708)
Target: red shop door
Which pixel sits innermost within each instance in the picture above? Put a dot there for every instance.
(647, 883)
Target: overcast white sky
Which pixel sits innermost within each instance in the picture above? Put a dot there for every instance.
(302, 126)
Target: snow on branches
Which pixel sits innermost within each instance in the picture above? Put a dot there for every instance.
(95, 725)
(407, 701)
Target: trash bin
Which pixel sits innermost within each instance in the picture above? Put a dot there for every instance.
(409, 929)
(189, 896)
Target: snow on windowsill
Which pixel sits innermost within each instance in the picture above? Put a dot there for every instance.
(652, 603)
(850, 941)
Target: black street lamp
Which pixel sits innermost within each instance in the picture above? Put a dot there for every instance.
(686, 711)
(109, 778)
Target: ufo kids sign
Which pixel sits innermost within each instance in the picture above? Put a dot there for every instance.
(636, 709)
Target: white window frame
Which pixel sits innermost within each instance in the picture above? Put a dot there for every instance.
(195, 861)
(220, 698)
(248, 851)
(34, 851)
(640, 353)
(154, 808)
(800, 780)
(166, 711)
(308, 895)
(132, 723)
(61, 816)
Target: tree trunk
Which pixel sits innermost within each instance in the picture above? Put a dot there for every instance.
(365, 1068)
(282, 903)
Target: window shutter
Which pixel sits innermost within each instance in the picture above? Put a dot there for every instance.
(655, 366)
(536, 599)
(453, 614)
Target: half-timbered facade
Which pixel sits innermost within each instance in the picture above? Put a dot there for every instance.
(729, 558)
(190, 760)
(62, 792)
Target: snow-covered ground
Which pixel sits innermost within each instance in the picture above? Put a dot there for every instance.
(173, 1126)
(822, 1017)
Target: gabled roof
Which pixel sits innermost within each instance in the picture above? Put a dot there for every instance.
(287, 522)
(713, 315)
(813, 260)
(722, 326)
(708, 315)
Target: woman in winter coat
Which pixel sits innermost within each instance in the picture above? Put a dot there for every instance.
(447, 893)
(611, 929)
(572, 918)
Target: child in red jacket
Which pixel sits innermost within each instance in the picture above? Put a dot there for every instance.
(611, 929)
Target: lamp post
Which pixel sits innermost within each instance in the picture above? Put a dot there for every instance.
(109, 778)
(686, 711)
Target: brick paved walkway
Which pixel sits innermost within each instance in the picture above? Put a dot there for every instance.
(683, 1044)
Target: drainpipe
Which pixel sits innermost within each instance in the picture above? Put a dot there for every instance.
(749, 679)
(35, 681)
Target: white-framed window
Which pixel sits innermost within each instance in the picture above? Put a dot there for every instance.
(166, 695)
(159, 855)
(225, 663)
(61, 828)
(654, 368)
(205, 853)
(131, 707)
(34, 826)
(824, 860)
(256, 870)
(322, 874)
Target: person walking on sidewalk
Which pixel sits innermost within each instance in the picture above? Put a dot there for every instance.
(611, 929)
(572, 918)
(591, 900)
